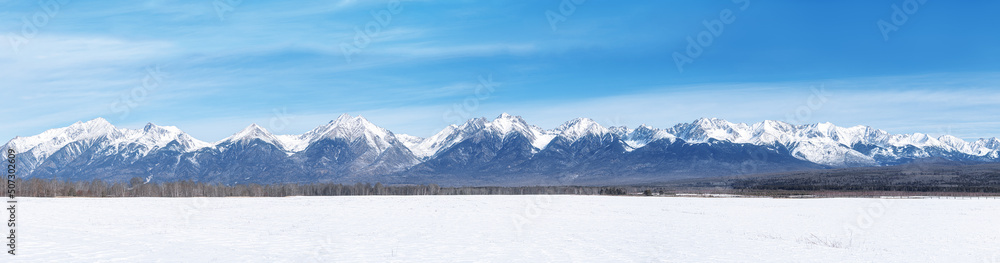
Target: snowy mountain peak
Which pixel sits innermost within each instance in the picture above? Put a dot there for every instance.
(252, 132)
(342, 117)
(506, 124)
(349, 127)
(150, 137)
(955, 143)
(503, 126)
(99, 136)
(776, 125)
(644, 129)
(504, 117)
(474, 124)
(153, 128)
(586, 122)
(96, 122)
(425, 148)
(255, 128)
(44, 144)
(824, 125)
(991, 143)
(644, 135)
(621, 131)
(711, 122)
(949, 138)
(819, 143)
(714, 123)
(92, 126)
(703, 129)
(348, 120)
(346, 127)
(580, 127)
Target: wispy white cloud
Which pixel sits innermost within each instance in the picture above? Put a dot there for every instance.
(964, 112)
(431, 50)
(602, 63)
(968, 113)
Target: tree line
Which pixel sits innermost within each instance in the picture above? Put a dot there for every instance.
(137, 187)
(983, 178)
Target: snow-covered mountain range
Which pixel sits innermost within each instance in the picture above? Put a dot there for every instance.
(503, 151)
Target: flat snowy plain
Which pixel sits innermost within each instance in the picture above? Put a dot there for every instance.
(506, 229)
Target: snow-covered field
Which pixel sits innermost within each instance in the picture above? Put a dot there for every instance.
(506, 229)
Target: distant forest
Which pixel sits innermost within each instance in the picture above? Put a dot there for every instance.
(918, 178)
(137, 187)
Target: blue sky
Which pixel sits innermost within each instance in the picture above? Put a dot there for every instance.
(221, 65)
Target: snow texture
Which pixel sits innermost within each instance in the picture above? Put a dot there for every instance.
(506, 229)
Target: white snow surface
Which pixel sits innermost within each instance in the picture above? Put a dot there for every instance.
(506, 229)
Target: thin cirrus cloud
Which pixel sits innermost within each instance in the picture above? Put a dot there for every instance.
(896, 111)
(847, 102)
(610, 61)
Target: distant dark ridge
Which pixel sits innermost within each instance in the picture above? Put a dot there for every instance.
(925, 176)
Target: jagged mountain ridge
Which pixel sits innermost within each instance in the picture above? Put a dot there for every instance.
(503, 151)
